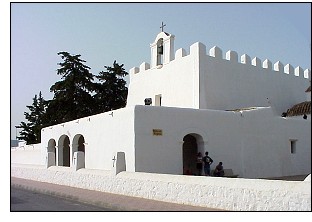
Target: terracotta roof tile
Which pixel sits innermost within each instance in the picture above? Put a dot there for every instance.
(300, 109)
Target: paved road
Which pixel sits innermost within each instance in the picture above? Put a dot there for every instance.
(26, 200)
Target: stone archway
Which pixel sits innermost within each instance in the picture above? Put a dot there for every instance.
(78, 145)
(52, 149)
(192, 144)
(63, 151)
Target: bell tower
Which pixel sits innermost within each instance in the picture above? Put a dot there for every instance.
(162, 49)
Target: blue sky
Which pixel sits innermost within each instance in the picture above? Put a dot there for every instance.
(104, 32)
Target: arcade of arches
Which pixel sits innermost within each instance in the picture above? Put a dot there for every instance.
(63, 152)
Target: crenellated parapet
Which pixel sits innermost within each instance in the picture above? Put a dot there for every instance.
(267, 64)
(230, 56)
(180, 53)
(278, 66)
(215, 52)
(144, 66)
(134, 70)
(289, 69)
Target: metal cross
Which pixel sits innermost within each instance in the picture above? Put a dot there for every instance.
(162, 26)
(114, 159)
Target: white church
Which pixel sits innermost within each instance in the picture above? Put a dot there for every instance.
(253, 116)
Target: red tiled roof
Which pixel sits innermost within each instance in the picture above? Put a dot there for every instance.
(300, 109)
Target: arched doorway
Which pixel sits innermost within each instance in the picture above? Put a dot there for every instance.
(189, 154)
(63, 151)
(52, 148)
(78, 144)
(192, 144)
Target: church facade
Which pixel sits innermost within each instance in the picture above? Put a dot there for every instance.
(253, 116)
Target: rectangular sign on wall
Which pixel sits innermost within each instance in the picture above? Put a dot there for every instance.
(157, 132)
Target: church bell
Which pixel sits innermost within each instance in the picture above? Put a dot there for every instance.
(160, 49)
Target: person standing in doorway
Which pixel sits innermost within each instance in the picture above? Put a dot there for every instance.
(199, 163)
(207, 162)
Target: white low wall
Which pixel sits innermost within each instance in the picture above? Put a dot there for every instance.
(28, 154)
(234, 194)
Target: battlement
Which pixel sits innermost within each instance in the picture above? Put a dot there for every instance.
(231, 56)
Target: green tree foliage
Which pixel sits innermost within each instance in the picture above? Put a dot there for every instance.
(31, 131)
(72, 95)
(75, 96)
(111, 91)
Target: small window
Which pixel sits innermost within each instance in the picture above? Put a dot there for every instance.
(293, 146)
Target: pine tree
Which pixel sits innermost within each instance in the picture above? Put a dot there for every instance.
(111, 91)
(31, 131)
(72, 95)
(75, 96)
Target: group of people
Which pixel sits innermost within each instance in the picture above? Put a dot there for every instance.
(206, 161)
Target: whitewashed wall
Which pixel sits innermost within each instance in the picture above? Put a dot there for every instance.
(255, 144)
(104, 134)
(234, 194)
(28, 154)
(207, 79)
(174, 81)
(231, 82)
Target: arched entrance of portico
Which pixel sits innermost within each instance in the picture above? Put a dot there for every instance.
(52, 148)
(192, 144)
(63, 151)
(78, 145)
